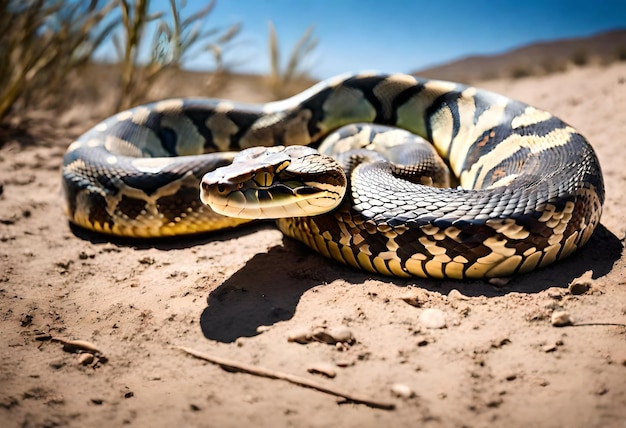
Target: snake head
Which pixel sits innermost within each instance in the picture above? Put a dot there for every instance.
(275, 182)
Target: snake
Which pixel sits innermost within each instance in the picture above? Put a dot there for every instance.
(345, 167)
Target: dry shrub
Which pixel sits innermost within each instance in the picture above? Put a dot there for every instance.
(620, 54)
(551, 66)
(521, 71)
(290, 78)
(580, 57)
(174, 41)
(45, 44)
(41, 43)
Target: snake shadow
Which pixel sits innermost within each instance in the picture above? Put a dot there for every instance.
(599, 256)
(263, 292)
(269, 286)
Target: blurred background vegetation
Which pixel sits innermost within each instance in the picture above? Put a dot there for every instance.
(48, 66)
(47, 56)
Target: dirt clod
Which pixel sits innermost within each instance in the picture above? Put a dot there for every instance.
(560, 318)
(433, 318)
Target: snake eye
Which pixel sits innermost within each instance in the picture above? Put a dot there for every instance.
(282, 166)
(221, 188)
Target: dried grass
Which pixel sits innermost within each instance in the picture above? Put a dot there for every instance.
(46, 44)
(286, 80)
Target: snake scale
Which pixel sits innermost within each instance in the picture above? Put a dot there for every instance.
(528, 188)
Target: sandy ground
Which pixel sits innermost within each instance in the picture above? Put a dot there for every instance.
(498, 361)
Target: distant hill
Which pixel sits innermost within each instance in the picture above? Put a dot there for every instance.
(538, 58)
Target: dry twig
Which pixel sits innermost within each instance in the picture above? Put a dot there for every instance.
(296, 380)
(70, 345)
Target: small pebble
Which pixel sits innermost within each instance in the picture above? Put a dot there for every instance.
(455, 295)
(84, 255)
(549, 348)
(344, 363)
(85, 358)
(321, 334)
(500, 342)
(499, 282)
(341, 347)
(581, 284)
(146, 260)
(302, 336)
(333, 335)
(341, 334)
(415, 298)
(324, 369)
(556, 294)
(578, 288)
(56, 365)
(401, 390)
(560, 318)
(494, 402)
(423, 340)
(26, 320)
(433, 318)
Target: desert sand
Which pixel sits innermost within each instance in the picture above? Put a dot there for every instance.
(491, 356)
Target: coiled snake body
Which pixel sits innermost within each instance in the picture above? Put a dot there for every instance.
(530, 186)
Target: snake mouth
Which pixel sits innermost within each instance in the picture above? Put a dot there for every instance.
(270, 185)
(279, 199)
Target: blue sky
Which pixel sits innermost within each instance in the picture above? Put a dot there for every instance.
(399, 35)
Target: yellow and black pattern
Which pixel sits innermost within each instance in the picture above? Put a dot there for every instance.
(531, 188)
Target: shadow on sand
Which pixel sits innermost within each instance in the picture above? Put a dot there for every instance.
(268, 288)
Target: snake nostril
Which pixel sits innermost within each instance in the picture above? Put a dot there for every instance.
(209, 186)
(205, 186)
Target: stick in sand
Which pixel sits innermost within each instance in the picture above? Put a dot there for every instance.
(297, 380)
